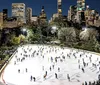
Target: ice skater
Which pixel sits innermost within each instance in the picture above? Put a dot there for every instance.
(58, 69)
(86, 83)
(31, 78)
(50, 68)
(83, 70)
(45, 75)
(56, 75)
(68, 77)
(53, 66)
(18, 70)
(15, 63)
(26, 69)
(34, 79)
(99, 77)
(43, 68)
(78, 61)
(51, 59)
(79, 66)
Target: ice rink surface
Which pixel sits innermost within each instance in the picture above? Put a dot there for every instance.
(36, 60)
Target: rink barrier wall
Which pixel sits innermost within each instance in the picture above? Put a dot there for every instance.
(2, 69)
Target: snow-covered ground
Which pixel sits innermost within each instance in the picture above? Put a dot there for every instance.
(37, 59)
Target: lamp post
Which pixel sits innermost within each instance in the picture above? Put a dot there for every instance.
(24, 31)
(54, 29)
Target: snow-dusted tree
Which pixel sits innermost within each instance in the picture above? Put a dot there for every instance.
(88, 34)
(89, 38)
(66, 34)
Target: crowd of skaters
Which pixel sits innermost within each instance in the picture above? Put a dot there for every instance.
(82, 63)
(92, 83)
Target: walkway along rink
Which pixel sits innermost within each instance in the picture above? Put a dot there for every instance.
(51, 65)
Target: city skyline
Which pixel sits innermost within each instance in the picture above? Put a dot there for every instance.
(50, 6)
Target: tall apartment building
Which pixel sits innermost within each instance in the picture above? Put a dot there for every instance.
(59, 8)
(72, 13)
(1, 20)
(18, 11)
(80, 5)
(92, 17)
(28, 14)
(80, 11)
(43, 16)
(5, 14)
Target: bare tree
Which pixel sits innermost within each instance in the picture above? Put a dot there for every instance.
(67, 34)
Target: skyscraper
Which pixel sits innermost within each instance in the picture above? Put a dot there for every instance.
(43, 17)
(1, 20)
(59, 3)
(80, 11)
(5, 14)
(18, 11)
(28, 14)
(80, 5)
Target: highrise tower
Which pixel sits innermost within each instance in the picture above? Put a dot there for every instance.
(43, 16)
(5, 14)
(80, 11)
(59, 3)
(28, 14)
(80, 5)
(18, 11)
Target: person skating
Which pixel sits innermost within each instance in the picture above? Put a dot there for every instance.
(34, 79)
(58, 69)
(15, 63)
(31, 78)
(43, 68)
(84, 64)
(53, 66)
(83, 70)
(18, 70)
(80, 55)
(99, 77)
(79, 66)
(50, 68)
(86, 83)
(56, 75)
(90, 83)
(68, 77)
(46, 72)
(26, 69)
(78, 61)
(51, 59)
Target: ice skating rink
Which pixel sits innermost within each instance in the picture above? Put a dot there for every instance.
(37, 65)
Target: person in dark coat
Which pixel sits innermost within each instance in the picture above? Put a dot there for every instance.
(34, 79)
(31, 78)
(68, 77)
(53, 66)
(46, 72)
(58, 69)
(90, 83)
(50, 68)
(85, 83)
(56, 75)
(83, 70)
(26, 69)
(18, 70)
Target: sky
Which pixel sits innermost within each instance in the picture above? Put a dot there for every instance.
(49, 5)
